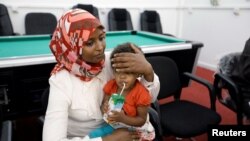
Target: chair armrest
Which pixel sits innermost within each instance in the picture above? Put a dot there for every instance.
(223, 81)
(6, 131)
(207, 84)
(156, 106)
(155, 121)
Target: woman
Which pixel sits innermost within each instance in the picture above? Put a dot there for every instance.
(77, 80)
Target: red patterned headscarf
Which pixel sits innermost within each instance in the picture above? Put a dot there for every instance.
(72, 30)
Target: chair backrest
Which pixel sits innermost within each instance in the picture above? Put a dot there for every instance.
(40, 23)
(6, 28)
(150, 21)
(167, 71)
(119, 19)
(88, 7)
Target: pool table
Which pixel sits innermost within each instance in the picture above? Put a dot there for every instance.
(26, 62)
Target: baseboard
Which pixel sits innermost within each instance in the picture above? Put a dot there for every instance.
(207, 66)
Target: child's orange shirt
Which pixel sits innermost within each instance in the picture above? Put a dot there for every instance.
(138, 96)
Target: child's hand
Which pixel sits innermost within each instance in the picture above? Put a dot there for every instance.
(116, 116)
(105, 107)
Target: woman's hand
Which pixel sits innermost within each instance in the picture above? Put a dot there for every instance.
(122, 135)
(105, 107)
(133, 62)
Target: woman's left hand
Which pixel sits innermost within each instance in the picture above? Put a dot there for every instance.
(104, 107)
(133, 62)
(122, 134)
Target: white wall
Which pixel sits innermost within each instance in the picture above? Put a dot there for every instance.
(223, 28)
(18, 9)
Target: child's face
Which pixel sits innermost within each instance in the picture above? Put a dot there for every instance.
(127, 78)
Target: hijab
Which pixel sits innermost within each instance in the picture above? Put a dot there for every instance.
(72, 31)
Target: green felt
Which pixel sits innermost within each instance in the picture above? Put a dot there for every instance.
(23, 46)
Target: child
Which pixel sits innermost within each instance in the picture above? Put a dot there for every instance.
(134, 114)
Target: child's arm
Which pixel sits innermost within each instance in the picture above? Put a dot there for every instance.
(138, 120)
(104, 106)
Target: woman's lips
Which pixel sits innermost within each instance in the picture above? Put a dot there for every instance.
(100, 56)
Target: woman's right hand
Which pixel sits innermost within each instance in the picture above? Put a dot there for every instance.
(121, 135)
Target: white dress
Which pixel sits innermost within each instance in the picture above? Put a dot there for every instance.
(74, 105)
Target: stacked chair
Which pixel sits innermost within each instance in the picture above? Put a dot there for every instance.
(40, 23)
(151, 21)
(88, 7)
(119, 19)
(6, 28)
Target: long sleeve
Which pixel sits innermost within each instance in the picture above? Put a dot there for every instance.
(153, 87)
(57, 112)
(65, 121)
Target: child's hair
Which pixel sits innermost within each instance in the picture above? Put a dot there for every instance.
(125, 47)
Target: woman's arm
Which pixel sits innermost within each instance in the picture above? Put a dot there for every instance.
(56, 118)
(122, 135)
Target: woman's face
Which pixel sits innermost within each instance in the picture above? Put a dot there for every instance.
(93, 49)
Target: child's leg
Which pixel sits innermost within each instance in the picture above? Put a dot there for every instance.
(147, 132)
(147, 136)
(106, 129)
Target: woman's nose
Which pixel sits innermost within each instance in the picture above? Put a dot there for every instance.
(100, 46)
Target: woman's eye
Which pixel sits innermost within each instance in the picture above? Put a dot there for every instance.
(102, 38)
(89, 44)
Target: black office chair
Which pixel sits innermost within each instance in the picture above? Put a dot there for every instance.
(119, 19)
(154, 119)
(44, 100)
(234, 99)
(88, 7)
(40, 23)
(181, 118)
(151, 21)
(6, 129)
(6, 28)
